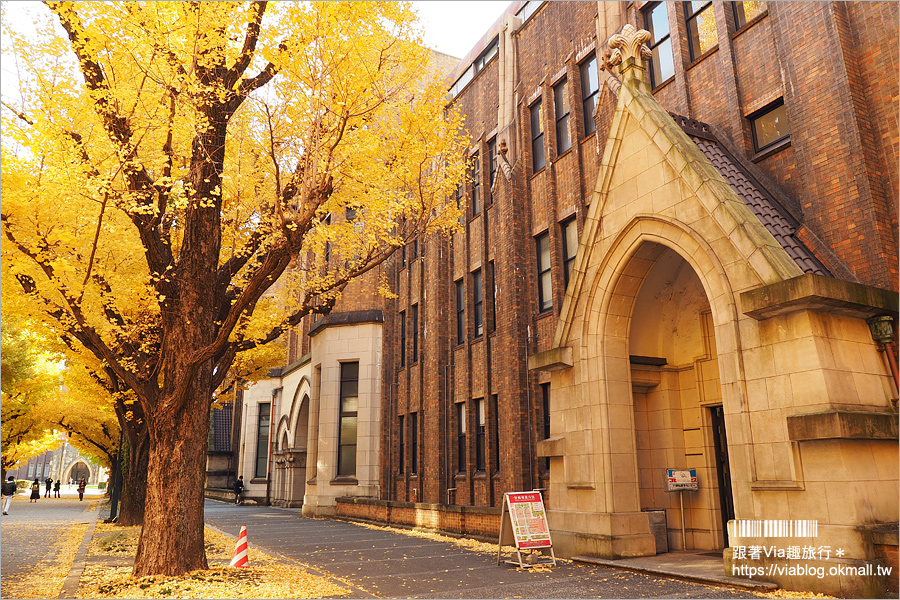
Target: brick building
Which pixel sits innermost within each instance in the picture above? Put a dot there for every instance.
(678, 250)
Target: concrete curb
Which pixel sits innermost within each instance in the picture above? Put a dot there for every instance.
(724, 580)
(73, 579)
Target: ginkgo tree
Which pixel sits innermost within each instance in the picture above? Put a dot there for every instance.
(166, 162)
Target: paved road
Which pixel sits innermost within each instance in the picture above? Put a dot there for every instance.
(29, 531)
(392, 565)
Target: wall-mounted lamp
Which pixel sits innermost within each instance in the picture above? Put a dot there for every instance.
(882, 330)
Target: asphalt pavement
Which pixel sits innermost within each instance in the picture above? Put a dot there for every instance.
(384, 564)
(30, 531)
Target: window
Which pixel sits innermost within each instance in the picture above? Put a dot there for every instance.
(414, 316)
(475, 177)
(529, 9)
(662, 65)
(492, 168)
(349, 398)
(459, 204)
(545, 405)
(401, 442)
(350, 213)
(495, 434)
(461, 437)
(744, 12)
(492, 290)
(460, 312)
(414, 442)
(701, 28)
(569, 247)
(477, 65)
(403, 256)
(590, 85)
(478, 303)
(561, 104)
(328, 244)
(479, 435)
(537, 137)
(262, 440)
(402, 338)
(770, 125)
(545, 289)
(413, 249)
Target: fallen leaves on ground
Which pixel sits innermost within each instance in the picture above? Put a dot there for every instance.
(46, 579)
(267, 576)
(788, 594)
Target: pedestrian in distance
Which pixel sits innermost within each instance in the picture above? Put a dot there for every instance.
(56, 485)
(81, 485)
(35, 491)
(49, 484)
(239, 490)
(9, 490)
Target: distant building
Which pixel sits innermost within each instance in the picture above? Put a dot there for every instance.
(676, 256)
(63, 464)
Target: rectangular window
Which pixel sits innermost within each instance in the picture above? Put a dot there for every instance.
(414, 316)
(479, 435)
(545, 284)
(459, 204)
(744, 12)
(537, 137)
(662, 64)
(402, 338)
(349, 398)
(31, 466)
(414, 442)
(262, 440)
(328, 244)
(561, 104)
(475, 178)
(495, 434)
(590, 85)
(770, 125)
(701, 27)
(401, 447)
(460, 312)
(492, 292)
(545, 405)
(461, 437)
(478, 303)
(492, 168)
(414, 250)
(569, 247)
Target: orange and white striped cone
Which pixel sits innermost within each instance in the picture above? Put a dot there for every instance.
(240, 550)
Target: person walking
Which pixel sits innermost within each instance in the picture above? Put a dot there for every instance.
(35, 491)
(239, 490)
(49, 484)
(9, 490)
(81, 485)
(56, 485)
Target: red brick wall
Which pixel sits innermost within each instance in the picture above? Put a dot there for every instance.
(456, 520)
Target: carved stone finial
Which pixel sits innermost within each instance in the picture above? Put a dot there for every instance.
(629, 50)
(503, 147)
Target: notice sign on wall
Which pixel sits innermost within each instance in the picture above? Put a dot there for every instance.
(525, 521)
(681, 479)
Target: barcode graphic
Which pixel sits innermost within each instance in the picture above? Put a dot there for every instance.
(776, 528)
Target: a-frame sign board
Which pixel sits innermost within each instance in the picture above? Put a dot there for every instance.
(523, 520)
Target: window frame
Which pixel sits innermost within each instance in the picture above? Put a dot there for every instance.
(414, 443)
(568, 259)
(477, 304)
(492, 169)
(492, 290)
(589, 95)
(754, 117)
(692, 17)
(544, 304)
(560, 103)
(480, 448)
(262, 440)
(495, 433)
(343, 414)
(740, 16)
(538, 159)
(475, 179)
(414, 317)
(461, 435)
(460, 286)
(401, 441)
(655, 43)
(402, 338)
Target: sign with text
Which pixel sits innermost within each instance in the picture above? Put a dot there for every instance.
(681, 479)
(528, 519)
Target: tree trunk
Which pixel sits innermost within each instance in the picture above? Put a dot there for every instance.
(134, 482)
(171, 541)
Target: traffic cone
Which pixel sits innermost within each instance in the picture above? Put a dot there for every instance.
(240, 550)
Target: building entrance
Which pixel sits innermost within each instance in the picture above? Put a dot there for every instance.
(679, 422)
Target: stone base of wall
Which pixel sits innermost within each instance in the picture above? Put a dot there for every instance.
(227, 495)
(479, 522)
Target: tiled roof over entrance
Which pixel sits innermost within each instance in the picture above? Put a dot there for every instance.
(775, 218)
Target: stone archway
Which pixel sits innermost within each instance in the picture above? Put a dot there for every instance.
(77, 470)
(675, 390)
(290, 457)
